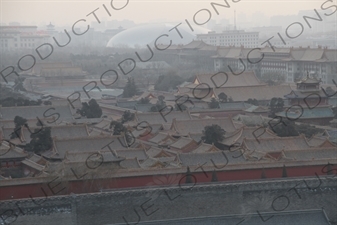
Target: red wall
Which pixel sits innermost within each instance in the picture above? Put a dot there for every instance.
(89, 186)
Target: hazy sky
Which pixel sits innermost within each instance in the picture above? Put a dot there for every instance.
(63, 12)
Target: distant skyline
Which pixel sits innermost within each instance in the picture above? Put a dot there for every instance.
(65, 13)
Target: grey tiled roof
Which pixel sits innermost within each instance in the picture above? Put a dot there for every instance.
(33, 165)
(252, 120)
(7, 153)
(312, 154)
(130, 164)
(197, 125)
(132, 153)
(219, 158)
(221, 80)
(316, 141)
(67, 131)
(153, 151)
(31, 112)
(203, 148)
(159, 137)
(257, 92)
(150, 162)
(307, 54)
(301, 94)
(103, 124)
(306, 113)
(88, 144)
(143, 107)
(7, 132)
(234, 105)
(145, 129)
(127, 104)
(196, 136)
(100, 156)
(276, 144)
(247, 132)
(157, 118)
(30, 122)
(182, 142)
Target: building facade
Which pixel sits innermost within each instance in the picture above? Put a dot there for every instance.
(292, 63)
(231, 38)
(21, 37)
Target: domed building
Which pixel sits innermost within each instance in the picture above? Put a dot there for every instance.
(140, 36)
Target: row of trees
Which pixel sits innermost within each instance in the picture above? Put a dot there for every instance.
(165, 82)
(168, 81)
(289, 128)
(224, 98)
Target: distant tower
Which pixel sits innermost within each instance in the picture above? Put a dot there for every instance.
(50, 28)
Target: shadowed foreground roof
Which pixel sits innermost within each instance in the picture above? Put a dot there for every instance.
(307, 217)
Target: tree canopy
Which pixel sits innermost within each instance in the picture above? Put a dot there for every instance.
(168, 81)
(91, 110)
(253, 101)
(127, 116)
(144, 101)
(213, 134)
(273, 77)
(276, 105)
(160, 105)
(19, 122)
(223, 97)
(284, 130)
(214, 104)
(119, 129)
(180, 107)
(41, 141)
(288, 128)
(130, 88)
